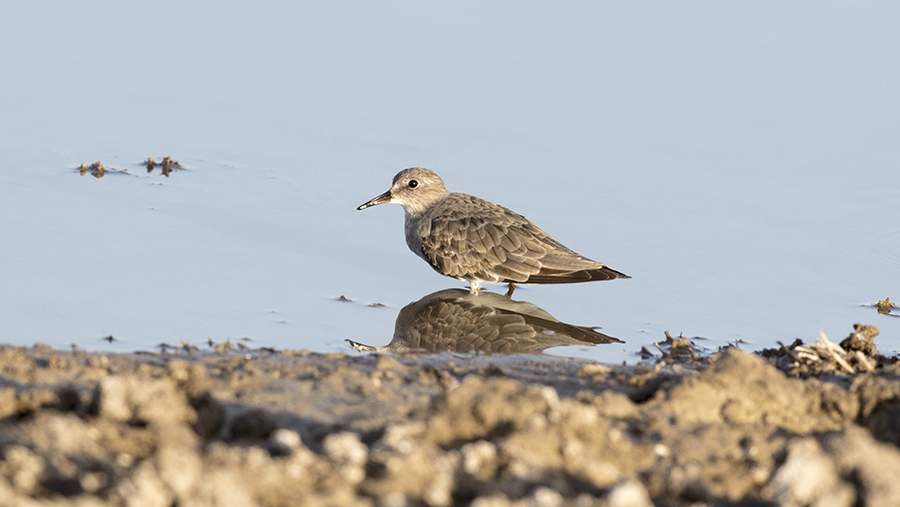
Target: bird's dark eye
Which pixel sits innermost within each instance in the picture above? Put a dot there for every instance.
(413, 184)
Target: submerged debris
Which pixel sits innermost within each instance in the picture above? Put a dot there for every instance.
(224, 347)
(680, 349)
(185, 347)
(166, 166)
(98, 170)
(885, 307)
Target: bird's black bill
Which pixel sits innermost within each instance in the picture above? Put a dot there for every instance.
(381, 199)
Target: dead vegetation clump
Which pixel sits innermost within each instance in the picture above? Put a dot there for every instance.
(855, 354)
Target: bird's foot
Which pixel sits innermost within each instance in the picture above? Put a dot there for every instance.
(512, 288)
(474, 288)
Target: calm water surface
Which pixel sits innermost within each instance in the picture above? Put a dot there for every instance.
(741, 164)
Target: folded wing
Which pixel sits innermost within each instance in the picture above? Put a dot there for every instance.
(497, 245)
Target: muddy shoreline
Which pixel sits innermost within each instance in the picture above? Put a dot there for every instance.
(298, 428)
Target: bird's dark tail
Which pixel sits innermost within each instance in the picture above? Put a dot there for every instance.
(583, 275)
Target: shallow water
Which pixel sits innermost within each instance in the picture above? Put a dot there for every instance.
(740, 164)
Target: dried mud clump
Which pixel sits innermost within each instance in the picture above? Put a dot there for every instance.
(313, 429)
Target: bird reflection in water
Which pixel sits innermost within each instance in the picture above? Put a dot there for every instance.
(454, 320)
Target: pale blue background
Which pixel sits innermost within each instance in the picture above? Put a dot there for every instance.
(739, 161)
